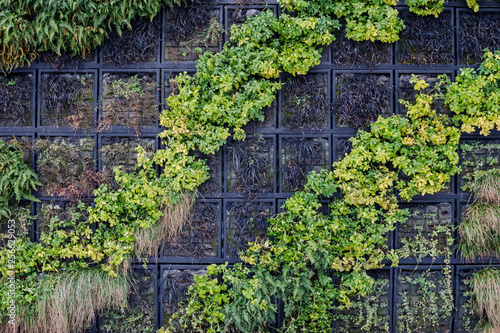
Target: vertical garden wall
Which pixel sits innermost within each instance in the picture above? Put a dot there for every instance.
(77, 119)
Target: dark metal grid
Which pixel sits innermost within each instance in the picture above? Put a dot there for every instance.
(333, 133)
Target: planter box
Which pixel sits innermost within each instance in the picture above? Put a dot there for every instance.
(66, 166)
(426, 40)
(251, 166)
(201, 237)
(245, 221)
(477, 31)
(67, 100)
(361, 97)
(299, 156)
(141, 44)
(370, 313)
(427, 231)
(22, 227)
(191, 29)
(25, 142)
(477, 155)
(121, 151)
(405, 90)
(17, 100)
(305, 103)
(421, 301)
(130, 101)
(174, 284)
(141, 314)
(346, 52)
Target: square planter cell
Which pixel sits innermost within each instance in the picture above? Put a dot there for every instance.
(67, 100)
(304, 102)
(246, 221)
(250, 166)
(174, 284)
(64, 210)
(348, 52)
(121, 152)
(200, 237)
(360, 98)
(407, 92)
(129, 101)
(423, 301)
(368, 313)
(66, 166)
(426, 40)
(299, 157)
(23, 227)
(427, 231)
(16, 99)
(190, 31)
(140, 314)
(25, 143)
(467, 317)
(477, 31)
(477, 155)
(139, 44)
(67, 60)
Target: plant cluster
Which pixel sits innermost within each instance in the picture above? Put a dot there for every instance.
(305, 245)
(480, 227)
(246, 222)
(32, 26)
(17, 179)
(199, 237)
(68, 100)
(477, 156)
(191, 30)
(476, 32)
(122, 152)
(251, 168)
(139, 44)
(305, 102)
(426, 40)
(474, 97)
(66, 167)
(300, 157)
(369, 313)
(347, 51)
(139, 316)
(361, 98)
(427, 232)
(425, 301)
(15, 100)
(407, 92)
(129, 101)
(483, 290)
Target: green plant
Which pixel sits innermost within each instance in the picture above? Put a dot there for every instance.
(486, 186)
(129, 100)
(474, 97)
(484, 292)
(425, 301)
(426, 7)
(478, 157)
(17, 179)
(32, 26)
(368, 313)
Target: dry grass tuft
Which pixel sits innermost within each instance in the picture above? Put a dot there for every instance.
(70, 305)
(480, 231)
(486, 186)
(175, 217)
(486, 294)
